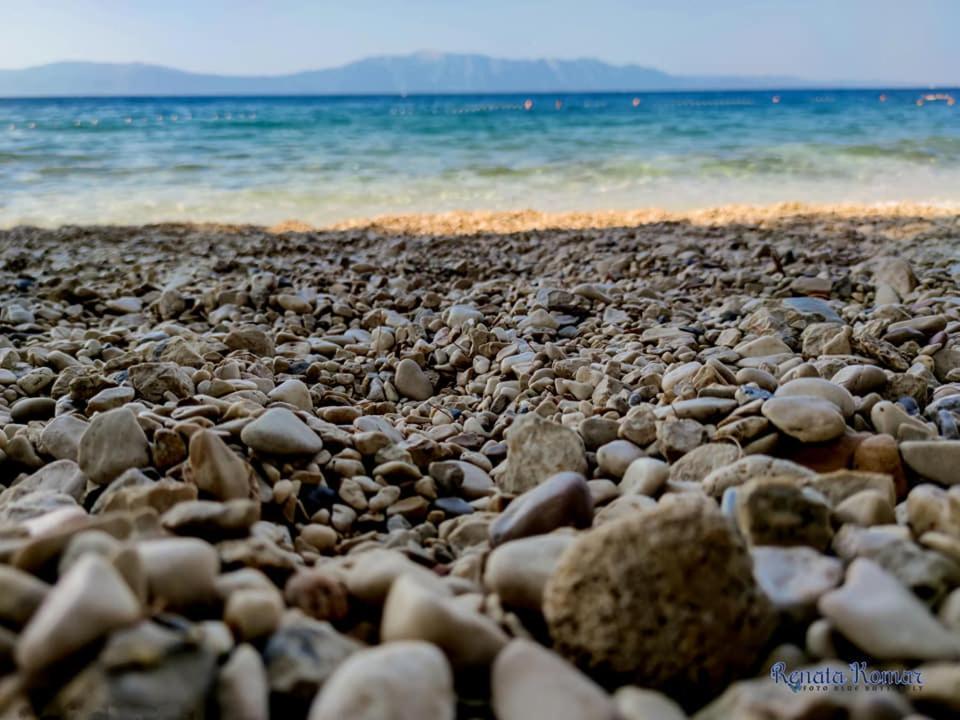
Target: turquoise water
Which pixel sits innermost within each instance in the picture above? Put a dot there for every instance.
(325, 159)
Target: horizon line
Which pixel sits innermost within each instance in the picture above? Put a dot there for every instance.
(818, 83)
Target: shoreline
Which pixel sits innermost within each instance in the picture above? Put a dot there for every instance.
(467, 222)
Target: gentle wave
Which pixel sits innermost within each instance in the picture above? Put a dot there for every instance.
(325, 159)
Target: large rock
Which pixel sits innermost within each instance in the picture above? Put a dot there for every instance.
(531, 683)
(113, 442)
(537, 449)
(680, 611)
(88, 602)
(395, 681)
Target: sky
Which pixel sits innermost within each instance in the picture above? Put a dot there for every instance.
(891, 41)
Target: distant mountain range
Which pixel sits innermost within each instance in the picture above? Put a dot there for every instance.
(418, 73)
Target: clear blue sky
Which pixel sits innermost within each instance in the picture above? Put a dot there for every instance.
(909, 41)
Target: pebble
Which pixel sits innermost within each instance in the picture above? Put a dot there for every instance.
(397, 681)
(293, 392)
(794, 578)
(532, 683)
(411, 381)
(808, 419)
(242, 690)
(87, 603)
(933, 459)
(279, 432)
(644, 476)
(538, 449)
(302, 426)
(112, 443)
(884, 619)
(414, 612)
(27, 409)
(561, 500)
(180, 571)
(615, 457)
(217, 470)
(61, 437)
(518, 570)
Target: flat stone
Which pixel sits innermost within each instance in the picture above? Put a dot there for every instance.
(860, 379)
(113, 442)
(538, 449)
(26, 409)
(813, 309)
(110, 398)
(396, 681)
(279, 432)
(823, 389)
(937, 460)
(635, 703)
(753, 466)
(62, 476)
(703, 460)
(794, 578)
(531, 683)
(884, 619)
(806, 418)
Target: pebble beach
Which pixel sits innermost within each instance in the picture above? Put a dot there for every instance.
(516, 466)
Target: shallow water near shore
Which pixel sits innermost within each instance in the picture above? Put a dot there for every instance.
(323, 160)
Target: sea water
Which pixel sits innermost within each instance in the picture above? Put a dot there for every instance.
(324, 159)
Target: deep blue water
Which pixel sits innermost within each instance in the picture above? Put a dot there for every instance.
(325, 159)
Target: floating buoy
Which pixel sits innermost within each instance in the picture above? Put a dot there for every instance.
(883, 97)
(636, 102)
(528, 104)
(775, 100)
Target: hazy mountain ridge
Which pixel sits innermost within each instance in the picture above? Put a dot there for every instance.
(408, 74)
